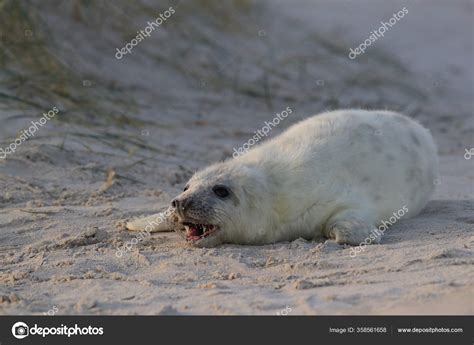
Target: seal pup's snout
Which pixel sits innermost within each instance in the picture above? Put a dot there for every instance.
(181, 205)
(195, 214)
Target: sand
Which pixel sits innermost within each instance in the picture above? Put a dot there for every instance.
(67, 192)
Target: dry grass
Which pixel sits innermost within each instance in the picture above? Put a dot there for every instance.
(211, 42)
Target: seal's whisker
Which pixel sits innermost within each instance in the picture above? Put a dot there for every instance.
(218, 216)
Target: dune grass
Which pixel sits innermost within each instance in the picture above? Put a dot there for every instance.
(210, 41)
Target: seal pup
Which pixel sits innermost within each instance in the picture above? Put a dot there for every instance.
(337, 175)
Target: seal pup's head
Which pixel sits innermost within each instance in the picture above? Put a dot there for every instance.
(222, 204)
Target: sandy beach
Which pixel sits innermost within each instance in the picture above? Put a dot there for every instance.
(129, 132)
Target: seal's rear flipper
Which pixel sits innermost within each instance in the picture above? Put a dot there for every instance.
(163, 221)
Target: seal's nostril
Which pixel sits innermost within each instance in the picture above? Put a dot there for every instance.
(175, 203)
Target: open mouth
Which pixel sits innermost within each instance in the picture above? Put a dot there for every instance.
(195, 232)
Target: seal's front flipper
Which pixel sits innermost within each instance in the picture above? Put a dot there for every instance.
(163, 221)
(351, 227)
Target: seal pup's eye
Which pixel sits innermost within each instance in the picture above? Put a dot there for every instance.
(221, 191)
(186, 188)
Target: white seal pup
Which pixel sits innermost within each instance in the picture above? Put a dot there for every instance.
(336, 175)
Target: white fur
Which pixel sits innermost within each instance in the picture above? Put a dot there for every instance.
(338, 174)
